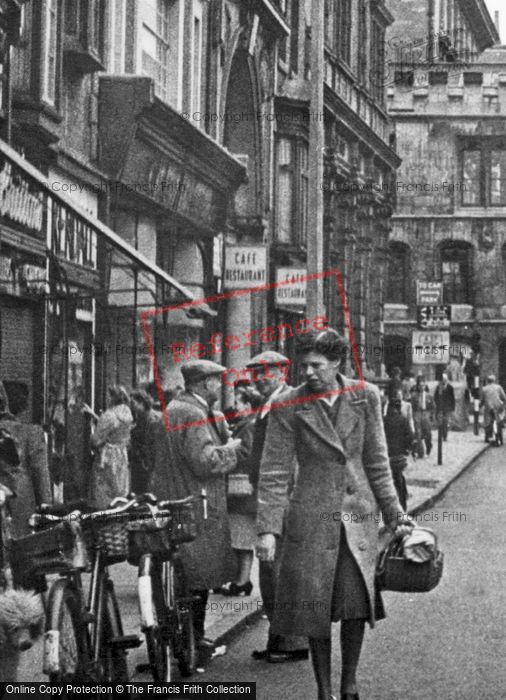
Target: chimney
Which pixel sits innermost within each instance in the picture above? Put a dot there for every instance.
(496, 22)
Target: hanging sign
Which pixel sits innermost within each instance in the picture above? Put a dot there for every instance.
(431, 347)
(290, 286)
(245, 266)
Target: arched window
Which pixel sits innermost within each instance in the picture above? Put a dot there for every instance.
(456, 272)
(398, 273)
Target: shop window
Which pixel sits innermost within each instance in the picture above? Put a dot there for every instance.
(398, 274)
(456, 272)
(292, 191)
(84, 34)
(483, 170)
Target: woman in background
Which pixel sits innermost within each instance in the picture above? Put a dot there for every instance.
(242, 506)
(110, 472)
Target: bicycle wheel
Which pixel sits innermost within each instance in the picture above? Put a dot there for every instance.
(113, 661)
(153, 602)
(66, 648)
(185, 649)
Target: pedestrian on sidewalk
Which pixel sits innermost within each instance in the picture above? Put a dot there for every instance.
(194, 457)
(444, 398)
(241, 497)
(407, 384)
(269, 372)
(493, 400)
(328, 557)
(400, 438)
(141, 454)
(423, 407)
(110, 475)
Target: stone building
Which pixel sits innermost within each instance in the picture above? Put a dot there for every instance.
(447, 96)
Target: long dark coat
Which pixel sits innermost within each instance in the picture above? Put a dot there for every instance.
(185, 462)
(343, 475)
(30, 479)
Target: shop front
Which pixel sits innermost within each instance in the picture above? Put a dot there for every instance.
(65, 280)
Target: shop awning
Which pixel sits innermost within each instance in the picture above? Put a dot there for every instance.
(33, 202)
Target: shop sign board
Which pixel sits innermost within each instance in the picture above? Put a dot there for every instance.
(429, 293)
(245, 266)
(431, 347)
(290, 287)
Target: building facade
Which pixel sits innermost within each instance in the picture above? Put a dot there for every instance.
(447, 96)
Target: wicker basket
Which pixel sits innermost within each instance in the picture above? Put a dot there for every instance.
(160, 535)
(54, 550)
(396, 573)
(109, 536)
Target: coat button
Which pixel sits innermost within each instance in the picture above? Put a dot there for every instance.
(362, 546)
(350, 490)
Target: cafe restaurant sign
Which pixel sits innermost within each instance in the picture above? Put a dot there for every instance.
(245, 266)
(290, 287)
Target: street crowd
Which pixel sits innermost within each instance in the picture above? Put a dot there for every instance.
(269, 466)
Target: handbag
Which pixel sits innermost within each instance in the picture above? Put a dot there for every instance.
(394, 572)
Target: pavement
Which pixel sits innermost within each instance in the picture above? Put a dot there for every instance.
(227, 618)
(426, 481)
(448, 644)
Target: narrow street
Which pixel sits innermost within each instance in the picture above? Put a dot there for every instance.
(448, 644)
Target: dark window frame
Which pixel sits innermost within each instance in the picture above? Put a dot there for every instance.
(397, 288)
(461, 254)
(299, 218)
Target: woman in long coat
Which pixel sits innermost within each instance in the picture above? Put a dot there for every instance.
(330, 543)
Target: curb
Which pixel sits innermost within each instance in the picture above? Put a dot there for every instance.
(436, 496)
(229, 635)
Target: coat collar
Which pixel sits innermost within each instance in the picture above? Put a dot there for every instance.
(314, 415)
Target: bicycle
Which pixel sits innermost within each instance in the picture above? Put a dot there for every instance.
(164, 599)
(84, 639)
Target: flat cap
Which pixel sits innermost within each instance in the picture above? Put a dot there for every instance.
(195, 370)
(270, 358)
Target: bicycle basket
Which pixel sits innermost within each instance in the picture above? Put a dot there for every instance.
(55, 550)
(159, 535)
(110, 536)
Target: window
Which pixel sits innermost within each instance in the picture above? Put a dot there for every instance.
(338, 27)
(155, 44)
(50, 52)
(294, 36)
(84, 34)
(398, 274)
(196, 58)
(292, 191)
(377, 61)
(456, 273)
(483, 173)
(498, 178)
(343, 29)
(362, 33)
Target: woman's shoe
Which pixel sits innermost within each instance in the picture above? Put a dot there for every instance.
(233, 589)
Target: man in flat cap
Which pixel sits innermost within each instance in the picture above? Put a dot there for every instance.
(269, 372)
(195, 454)
(493, 400)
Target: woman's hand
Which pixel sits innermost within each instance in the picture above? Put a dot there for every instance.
(404, 525)
(266, 547)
